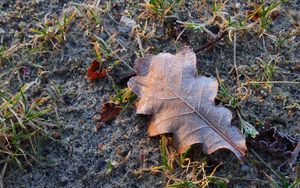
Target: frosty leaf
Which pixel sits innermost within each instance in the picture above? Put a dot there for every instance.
(274, 142)
(183, 104)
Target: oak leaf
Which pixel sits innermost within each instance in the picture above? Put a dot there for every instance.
(182, 103)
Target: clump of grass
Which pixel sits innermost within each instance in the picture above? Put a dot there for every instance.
(255, 17)
(158, 8)
(235, 101)
(53, 32)
(181, 171)
(269, 69)
(90, 15)
(263, 13)
(258, 19)
(226, 97)
(105, 53)
(262, 73)
(22, 125)
(102, 50)
(123, 97)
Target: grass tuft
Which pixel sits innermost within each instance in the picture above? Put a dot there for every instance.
(22, 125)
(158, 9)
(53, 32)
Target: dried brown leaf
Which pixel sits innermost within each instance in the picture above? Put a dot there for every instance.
(109, 112)
(183, 104)
(273, 142)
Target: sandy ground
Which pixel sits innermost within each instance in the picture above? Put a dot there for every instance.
(83, 154)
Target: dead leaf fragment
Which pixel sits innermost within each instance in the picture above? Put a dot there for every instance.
(109, 112)
(96, 71)
(274, 143)
(183, 104)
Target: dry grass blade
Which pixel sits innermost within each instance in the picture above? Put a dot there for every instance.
(7, 53)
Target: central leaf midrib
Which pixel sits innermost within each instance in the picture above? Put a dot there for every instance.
(206, 121)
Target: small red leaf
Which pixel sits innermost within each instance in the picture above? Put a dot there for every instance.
(109, 112)
(95, 71)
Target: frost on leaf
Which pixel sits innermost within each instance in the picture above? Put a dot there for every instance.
(183, 104)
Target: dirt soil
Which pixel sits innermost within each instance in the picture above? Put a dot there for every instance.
(110, 154)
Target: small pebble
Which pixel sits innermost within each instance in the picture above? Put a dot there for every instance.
(245, 168)
(126, 24)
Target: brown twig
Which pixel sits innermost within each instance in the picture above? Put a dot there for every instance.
(234, 61)
(210, 43)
